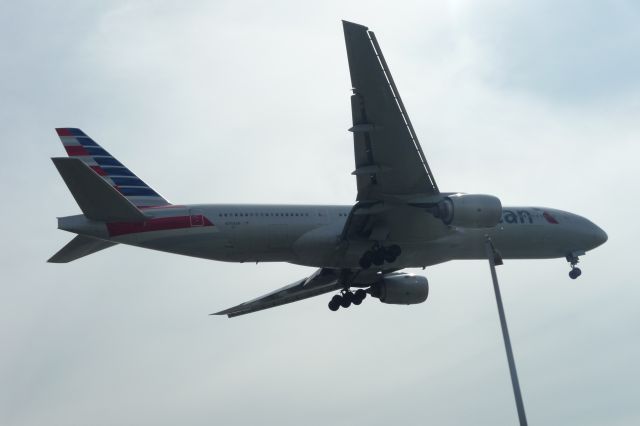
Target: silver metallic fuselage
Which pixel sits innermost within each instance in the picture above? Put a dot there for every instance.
(310, 235)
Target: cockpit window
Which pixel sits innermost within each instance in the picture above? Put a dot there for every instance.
(550, 218)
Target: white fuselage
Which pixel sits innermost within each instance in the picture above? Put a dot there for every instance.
(311, 235)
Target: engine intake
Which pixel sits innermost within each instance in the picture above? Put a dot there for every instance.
(470, 210)
(401, 289)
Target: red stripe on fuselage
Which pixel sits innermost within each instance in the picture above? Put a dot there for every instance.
(157, 224)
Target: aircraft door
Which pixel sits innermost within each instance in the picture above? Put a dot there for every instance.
(196, 218)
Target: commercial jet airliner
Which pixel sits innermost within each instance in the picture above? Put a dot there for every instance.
(400, 218)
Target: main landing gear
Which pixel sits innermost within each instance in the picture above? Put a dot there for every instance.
(378, 255)
(575, 272)
(346, 298)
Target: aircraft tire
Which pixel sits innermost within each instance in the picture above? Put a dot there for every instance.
(378, 258)
(575, 273)
(389, 257)
(366, 259)
(395, 250)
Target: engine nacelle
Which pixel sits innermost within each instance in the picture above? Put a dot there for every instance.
(401, 289)
(470, 210)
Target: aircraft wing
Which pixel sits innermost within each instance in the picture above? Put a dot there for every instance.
(392, 173)
(322, 281)
(390, 164)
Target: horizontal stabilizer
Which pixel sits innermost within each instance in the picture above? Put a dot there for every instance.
(79, 247)
(97, 199)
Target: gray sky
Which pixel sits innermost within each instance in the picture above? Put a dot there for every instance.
(535, 102)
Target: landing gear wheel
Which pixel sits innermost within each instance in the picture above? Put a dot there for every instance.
(389, 255)
(366, 260)
(359, 296)
(346, 299)
(378, 257)
(573, 260)
(335, 302)
(394, 250)
(575, 273)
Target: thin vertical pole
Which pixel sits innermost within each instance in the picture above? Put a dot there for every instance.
(505, 334)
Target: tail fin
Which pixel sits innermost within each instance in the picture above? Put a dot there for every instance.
(96, 198)
(79, 247)
(79, 145)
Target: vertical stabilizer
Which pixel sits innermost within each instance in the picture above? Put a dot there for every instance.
(79, 145)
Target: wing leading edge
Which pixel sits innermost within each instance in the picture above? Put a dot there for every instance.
(390, 164)
(322, 281)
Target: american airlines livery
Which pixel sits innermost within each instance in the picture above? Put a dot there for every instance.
(400, 219)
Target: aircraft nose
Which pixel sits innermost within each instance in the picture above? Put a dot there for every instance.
(600, 237)
(595, 236)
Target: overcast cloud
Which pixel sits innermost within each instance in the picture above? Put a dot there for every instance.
(536, 102)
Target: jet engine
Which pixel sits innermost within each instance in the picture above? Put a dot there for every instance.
(401, 289)
(470, 210)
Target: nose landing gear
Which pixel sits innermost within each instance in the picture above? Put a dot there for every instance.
(575, 272)
(573, 259)
(378, 255)
(346, 298)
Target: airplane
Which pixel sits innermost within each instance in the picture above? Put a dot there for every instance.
(400, 218)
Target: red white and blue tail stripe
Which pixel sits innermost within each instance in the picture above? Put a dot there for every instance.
(79, 145)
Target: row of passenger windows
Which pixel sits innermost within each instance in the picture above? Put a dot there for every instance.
(263, 214)
(269, 214)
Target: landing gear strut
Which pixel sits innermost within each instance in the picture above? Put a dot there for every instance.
(346, 298)
(575, 272)
(378, 255)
